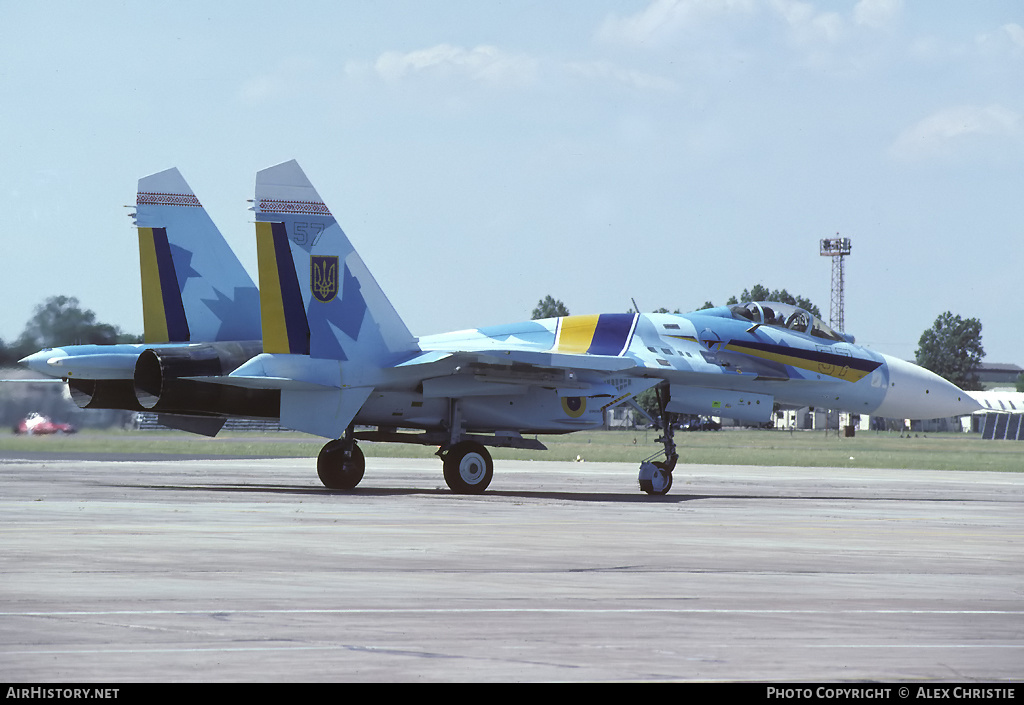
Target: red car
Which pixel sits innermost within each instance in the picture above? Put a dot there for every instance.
(38, 425)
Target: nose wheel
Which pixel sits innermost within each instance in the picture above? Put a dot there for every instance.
(655, 478)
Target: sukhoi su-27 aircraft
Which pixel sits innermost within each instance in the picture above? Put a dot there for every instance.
(336, 360)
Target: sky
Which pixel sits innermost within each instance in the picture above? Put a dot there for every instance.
(482, 155)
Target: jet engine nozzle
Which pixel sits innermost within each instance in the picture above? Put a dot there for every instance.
(158, 371)
(172, 379)
(103, 394)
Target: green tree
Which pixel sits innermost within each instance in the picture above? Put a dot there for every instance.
(759, 292)
(648, 401)
(952, 349)
(549, 307)
(1020, 382)
(60, 320)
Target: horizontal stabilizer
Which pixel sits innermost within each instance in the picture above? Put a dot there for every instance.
(47, 380)
(427, 358)
(262, 382)
(294, 372)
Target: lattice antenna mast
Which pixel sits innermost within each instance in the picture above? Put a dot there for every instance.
(837, 248)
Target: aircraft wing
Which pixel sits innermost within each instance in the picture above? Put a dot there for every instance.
(532, 358)
(504, 372)
(441, 374)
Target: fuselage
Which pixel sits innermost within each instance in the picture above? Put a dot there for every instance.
(559, 375)
(713, 360)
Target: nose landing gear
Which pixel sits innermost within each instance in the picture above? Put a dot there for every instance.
(656, 477)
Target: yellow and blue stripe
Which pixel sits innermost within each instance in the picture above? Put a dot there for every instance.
(840, 366)
(283, 315)
(603, 334)
(846, 367)
(163, 313)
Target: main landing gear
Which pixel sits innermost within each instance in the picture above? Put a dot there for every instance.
(340, 464)
(468, 468)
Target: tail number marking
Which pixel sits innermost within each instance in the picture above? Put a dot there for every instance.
(306, 233)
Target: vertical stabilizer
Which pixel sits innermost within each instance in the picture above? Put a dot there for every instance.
(193, 286)
(317, 296)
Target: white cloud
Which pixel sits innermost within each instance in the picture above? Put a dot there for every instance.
(1008, 40)
(807, 24)
(662, 19)
(606, 71)
(290, 74)
(486, 64)
(1016, 34)
(960, 130)
(877, 14)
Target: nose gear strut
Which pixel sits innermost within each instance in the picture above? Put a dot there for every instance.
(656, 475)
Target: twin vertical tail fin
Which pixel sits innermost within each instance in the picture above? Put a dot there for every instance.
(317, 296)
(193, 286)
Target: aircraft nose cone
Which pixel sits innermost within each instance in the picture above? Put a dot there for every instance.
(37, 362)
(917, 393)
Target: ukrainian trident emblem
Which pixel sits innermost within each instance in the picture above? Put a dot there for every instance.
(323, 277)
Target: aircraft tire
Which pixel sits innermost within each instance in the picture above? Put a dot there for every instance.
(663, 483)
(338, 472)
(468, 468)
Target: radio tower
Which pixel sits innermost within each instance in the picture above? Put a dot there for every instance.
(837, 248)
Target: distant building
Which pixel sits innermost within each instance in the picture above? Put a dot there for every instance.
(997, 373)
(620, 417)
(1001, 416)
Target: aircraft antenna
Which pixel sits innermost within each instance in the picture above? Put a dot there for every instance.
(837, 248)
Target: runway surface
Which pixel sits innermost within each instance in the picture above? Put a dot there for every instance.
(248, 570)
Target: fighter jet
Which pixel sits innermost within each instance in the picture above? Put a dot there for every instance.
(198, 303)
(342, 357)
(340, 362)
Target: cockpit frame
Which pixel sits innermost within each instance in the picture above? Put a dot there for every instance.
(776, 314)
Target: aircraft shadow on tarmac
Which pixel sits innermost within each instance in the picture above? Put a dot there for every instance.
(622, 498)
(366, 492)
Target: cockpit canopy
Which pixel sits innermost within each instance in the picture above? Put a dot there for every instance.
(780, 315)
